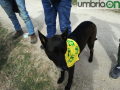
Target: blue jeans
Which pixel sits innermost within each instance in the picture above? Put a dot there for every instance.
(6, 5)
(63, 9)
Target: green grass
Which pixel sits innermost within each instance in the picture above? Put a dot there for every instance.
(116, 10)
(74, 1)
(17, 68)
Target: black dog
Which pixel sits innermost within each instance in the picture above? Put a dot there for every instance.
(55, 47)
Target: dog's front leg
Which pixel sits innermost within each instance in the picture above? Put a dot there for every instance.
(70, 79)
(60, 80)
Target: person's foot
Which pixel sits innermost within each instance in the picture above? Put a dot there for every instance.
(116, 72)
(17, 34)
(33, 38)
(41, 47)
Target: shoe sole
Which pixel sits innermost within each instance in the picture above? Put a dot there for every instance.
(41, 47)
(34, 42)
(113, 78)
(16, 37)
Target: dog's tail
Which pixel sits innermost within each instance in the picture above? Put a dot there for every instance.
(96, 39)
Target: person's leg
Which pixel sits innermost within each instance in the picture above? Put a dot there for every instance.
(50, 17)
(116, 71)
(119, 55)
(25, 16)
(64, 8)
(7, 6)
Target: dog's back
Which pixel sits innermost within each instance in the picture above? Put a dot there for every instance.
(84, 33)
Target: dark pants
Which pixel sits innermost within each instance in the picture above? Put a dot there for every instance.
(119, 54)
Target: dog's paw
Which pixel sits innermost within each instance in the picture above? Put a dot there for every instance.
(67, 88)
(60, 80)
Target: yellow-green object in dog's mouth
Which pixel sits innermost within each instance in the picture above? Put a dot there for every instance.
(71, 55)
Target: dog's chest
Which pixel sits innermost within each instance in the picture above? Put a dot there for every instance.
(71, 55)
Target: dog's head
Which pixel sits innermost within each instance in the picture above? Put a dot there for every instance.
(55, 48)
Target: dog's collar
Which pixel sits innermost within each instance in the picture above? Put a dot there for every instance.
(71, 55)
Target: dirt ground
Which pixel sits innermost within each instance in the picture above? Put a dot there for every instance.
(87, 76)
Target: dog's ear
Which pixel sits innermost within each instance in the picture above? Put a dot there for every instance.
(65, 34)
(43, 39)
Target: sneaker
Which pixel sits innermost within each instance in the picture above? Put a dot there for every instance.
(41, 47)
(17, 34)
(33, 38)
(116, 72)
